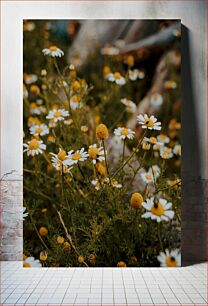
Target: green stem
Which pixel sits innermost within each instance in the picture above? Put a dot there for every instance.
(103, 144)
(130, 157)
(62, 78)
(159, 236)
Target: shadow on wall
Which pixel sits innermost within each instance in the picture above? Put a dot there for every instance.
(194, 204)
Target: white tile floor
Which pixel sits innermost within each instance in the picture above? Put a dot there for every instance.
(118, 286)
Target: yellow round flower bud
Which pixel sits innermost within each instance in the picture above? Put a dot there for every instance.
(76, 86)
(43, 256)
(106, 70)
(92, 259)
(43, 231)
(102, 132)
(34, 89)
(130, 60)
(67, 245)
(61, 155)
(136, 200)
(44, 210)
(101, 169)
(133, 260)
(33, 120)
(60, 239)
(121, 264)
(81, 259)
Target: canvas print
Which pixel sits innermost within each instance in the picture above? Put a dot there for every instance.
(102, 143)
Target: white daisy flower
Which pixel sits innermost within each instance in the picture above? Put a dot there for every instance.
(136, 74)
(177, 149)
(25, 92)
(68, 121)
(165, 152)
(39, 130)
(170, 258)
(34, 147)
(141, 74)
(75, 157)
(149, 122)
(133, 74)
(109, 50)
(124, 133)
(158, 209)
(52, 124)
(96, 154)
(147, 177)
(114, 183)
(75, 102)
(120, 43)
(130, 105)
(30, 78)
(28, 26)
(152, 140)
(96, 184)
(117, 78)
(25, 213)
(53, 51)
(57, 114)
(58, 161)
(155, 170)
(37, 109)
(163, 138)
(31, 262)
(156, 100)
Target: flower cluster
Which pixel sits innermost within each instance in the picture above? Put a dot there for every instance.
(101, 173)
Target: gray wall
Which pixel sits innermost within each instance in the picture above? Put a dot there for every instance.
(194, 110)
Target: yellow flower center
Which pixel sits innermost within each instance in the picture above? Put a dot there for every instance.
(26, 265)
(53, 48)
(76, 156)
(43, 255)
(33, 144)
(76, 85)
(130, 60)
(114, 182)
(61, 155)
(146, 146)
(157, 209)
(124, 132)
(153, 140)
(117, 75)
(39, 130)
(170, 261)
(163, 137)
(149, 176)
(93, 152)
(106, 70)
(35, 89)
(155, 96)
(148, 122)
(57, 114)
(33, 105)
(75, 99)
